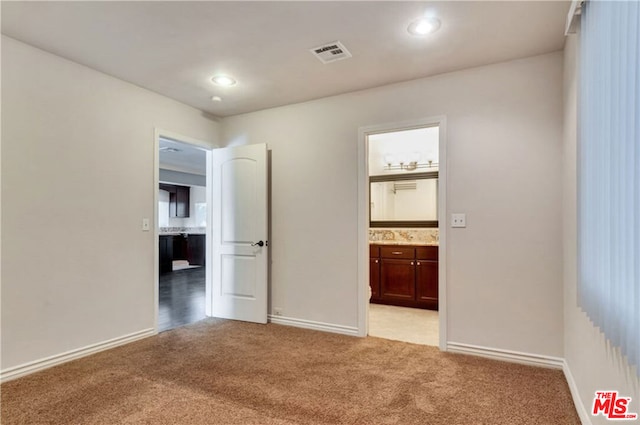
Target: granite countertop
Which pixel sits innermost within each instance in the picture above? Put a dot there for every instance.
(180, 233)
(415, 243)
(181, 230)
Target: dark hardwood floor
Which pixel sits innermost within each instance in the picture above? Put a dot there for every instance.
(181, 298)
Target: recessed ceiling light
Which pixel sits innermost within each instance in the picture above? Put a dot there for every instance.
(423, 26)
(223, 80)
(216, 99)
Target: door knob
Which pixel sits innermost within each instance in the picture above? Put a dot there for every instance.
(259, 243)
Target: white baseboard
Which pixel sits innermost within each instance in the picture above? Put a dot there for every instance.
(585, 418)
(309, 324)
(37, 365)
(506, 355)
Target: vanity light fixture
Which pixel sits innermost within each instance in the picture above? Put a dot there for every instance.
(423, 26)
(410, 166)
(409, 162)
(223, 80)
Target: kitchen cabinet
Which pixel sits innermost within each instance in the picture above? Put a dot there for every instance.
(190, 247)
(179, 198)
(180, 249)
(195, 249)
(166, 253)
(407, 275)
(181, 203)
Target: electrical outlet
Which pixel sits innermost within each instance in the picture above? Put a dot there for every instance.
(146, 225)
(458, 220)
(277, 311)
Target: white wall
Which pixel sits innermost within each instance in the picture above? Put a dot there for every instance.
(77, 179)
(504, 126)
(80, 142)
(594, 366)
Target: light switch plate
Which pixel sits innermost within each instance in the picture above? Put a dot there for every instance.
(458, 220)
(146, 226)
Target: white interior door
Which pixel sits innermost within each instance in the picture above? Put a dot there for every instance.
(239, 227)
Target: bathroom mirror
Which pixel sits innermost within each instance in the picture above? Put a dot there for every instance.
(404, 200)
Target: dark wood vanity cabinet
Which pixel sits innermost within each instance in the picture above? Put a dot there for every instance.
(397, 279)
(427, 276)
(374, 277)
(374, 271)
(407, 275)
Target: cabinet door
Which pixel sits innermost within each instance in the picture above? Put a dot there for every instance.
(178, 199)
(179, 248)
(397, 279)
(374, 277)
(427, 283)
(166, 254)
(182, 201)
(195, 247)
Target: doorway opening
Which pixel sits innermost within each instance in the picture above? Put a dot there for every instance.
(182, 231)
(401, 223)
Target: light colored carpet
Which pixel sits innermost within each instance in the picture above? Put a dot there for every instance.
(404, 324)
(225, 372)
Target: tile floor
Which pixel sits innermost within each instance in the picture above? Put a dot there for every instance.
(404, 324)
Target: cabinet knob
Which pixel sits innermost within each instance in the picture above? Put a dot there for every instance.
(412, 263)
(376, 261)
(418, 262)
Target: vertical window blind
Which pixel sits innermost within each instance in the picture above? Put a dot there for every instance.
(609, 172)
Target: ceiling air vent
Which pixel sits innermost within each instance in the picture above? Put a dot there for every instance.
(331, 52)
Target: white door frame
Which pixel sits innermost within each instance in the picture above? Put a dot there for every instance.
(363, 218)
(207, 147)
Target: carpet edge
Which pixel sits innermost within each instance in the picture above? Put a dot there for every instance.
(57, 359)
(506, 355)
(310, 324)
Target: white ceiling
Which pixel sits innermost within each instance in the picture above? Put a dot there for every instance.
(186, 158)
(173, 48)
